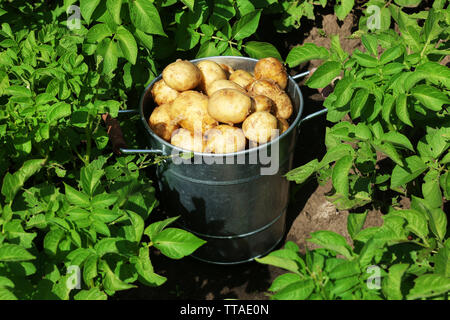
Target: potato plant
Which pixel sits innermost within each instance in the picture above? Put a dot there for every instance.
(391, 138)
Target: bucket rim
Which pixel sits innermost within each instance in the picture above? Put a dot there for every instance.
(293, 126)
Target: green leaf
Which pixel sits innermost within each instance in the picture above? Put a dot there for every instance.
(145, 17)
(111, 282)
(401, 108)
(176, 243)
(110, 53)
(398, 139)
(408, 3)
(370, 249)
(343, 91)
(98, 32)
(344, 8)
(391, 54)
(14, 252)
(90, 268)
(137, 223)
(332, 241)
(306, 52)
(189, 4)
(438, 222)
(145, 39)
(355, 223)
(431, 190)
(145, 270)
(52, 240)
(324, 75)
(345, 269)
(429, 285)
(392, 283)
(6, 294)
(207, 49)
(341, 286)
(58, 110)
(302, 173)
(364, 59)
(87, 8)
(260, 50)
(91, 294)
(104, 200)
(431, 97)
(76, 197)
(402, 175)
(358, 102)
(417, 222)
(155, 228)
(283, 281)
(283, 258)
(114, 7)
(90, 179)
(5, 282)
(18, 91)
(442, 261)
(435, 72)
(295, 291)
(246, 25)
(335, 153)
(340, 175)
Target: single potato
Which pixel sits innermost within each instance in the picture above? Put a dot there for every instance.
(229, 106)
(272, 69)
(225, 139)
(259, 126)
(190, 110)
(283, 125)
(242, 78)
(162, 93)
(282, 103)
(185, 139)
(182, 75)
(161, 121)
(223, 84)
(263, 103)
(210, 72)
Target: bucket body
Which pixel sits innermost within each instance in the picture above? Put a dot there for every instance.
(236, 202)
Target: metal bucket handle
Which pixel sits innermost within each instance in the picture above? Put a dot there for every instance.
(314, 114)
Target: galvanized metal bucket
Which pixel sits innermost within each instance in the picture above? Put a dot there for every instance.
(224, 198)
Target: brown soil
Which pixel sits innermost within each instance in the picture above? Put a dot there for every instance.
(309, 210)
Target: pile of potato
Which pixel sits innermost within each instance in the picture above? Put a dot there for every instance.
(209, 107)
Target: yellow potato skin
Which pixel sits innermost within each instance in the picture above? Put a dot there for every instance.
(229, 106)
(259, 126)
(272, 69)
(225, 139)
(182, 75)
(262, 103)
(282, 103)
(185, 139)
(223, 84)
(228, 70)
(162, 93)
(283, 125)
(161, 122)
(190, 110)
(242, 78)
(210, 72)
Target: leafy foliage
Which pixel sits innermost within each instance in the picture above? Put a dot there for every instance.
(391, 136)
